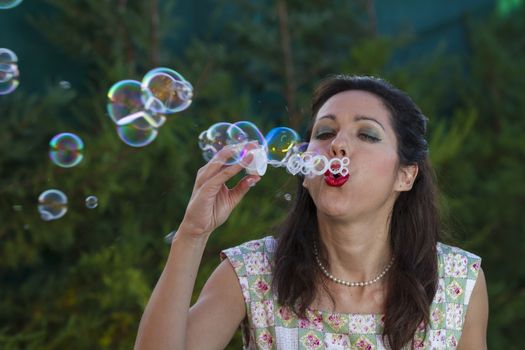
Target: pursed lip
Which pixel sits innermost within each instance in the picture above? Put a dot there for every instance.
(335, 180)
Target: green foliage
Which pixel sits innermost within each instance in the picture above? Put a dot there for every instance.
(83, 281)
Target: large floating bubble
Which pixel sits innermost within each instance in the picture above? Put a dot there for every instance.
(9, 4)
(224, 134)
(125, 106)
(280, 142)
(136, 136)
(251, 131)
(52, 204)
(66, 150)
(165, 91)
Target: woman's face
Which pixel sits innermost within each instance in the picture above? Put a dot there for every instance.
(357, 125)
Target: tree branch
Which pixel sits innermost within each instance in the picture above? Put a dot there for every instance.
(291, 86)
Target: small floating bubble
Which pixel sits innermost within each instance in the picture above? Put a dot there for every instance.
(91, 202)
(64, 84)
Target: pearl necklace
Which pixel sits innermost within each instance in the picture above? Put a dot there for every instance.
(347, 283)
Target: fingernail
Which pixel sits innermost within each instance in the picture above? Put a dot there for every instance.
(251, 182)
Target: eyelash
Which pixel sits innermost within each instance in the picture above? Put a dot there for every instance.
(327, 135)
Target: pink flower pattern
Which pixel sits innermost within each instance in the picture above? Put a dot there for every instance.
(364, 344)
(335, 321)
(311, 341)
(265, 340)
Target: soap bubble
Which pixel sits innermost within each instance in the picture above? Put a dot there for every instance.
(287, 197)
(125, 106)
(52, 204)
(136, 136)
(280, 142)
(7, 56)
(8, 79)
(208, 151)
(8, 71)
(166, 91)
(218, 136)
(64, 84)
(66, 150)
(9, 4)
(91, 202)
(252, 132)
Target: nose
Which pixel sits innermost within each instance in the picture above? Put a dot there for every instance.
(338, 148)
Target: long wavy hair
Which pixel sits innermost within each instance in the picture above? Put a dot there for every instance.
(414, 224)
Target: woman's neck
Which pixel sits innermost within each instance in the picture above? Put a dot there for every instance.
(358, 250)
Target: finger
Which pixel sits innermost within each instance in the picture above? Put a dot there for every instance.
(217, 181)
(215, 165)
(240, 190)
(218, 165)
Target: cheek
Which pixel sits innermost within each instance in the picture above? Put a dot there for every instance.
(382, 166)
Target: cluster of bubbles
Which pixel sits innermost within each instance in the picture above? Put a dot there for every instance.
(139, 109)
(66, 150)
(9, 4)
(309, 163)
(52, 204)
(281, 147)
(8, 71)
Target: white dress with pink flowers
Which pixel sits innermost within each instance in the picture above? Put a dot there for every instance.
(269, 325)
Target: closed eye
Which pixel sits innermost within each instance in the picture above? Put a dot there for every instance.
(369, 138)
(324, 135)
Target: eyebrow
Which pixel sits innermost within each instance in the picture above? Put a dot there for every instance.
(356, 118)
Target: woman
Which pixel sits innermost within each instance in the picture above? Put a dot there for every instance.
(357, 264)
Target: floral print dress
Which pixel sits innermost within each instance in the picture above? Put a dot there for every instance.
(269, 325)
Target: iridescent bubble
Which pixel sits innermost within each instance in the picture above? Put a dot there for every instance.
(66, 150)
(52, 204)
(125, 106)
(280, 142)
(9, 4)
(7, 56)
(252, 132)
(218, 136)
(9, 80)
(166, 91)
(208, 151)
(9, 73)
(136, 136)
(91, 202)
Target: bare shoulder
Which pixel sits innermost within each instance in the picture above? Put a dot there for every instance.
(221, 303)
(474, 334)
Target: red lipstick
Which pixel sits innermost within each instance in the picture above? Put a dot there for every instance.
(335, 180)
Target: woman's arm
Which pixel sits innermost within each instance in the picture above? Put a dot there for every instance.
(168, 322)
(212, 320)
(474, 334)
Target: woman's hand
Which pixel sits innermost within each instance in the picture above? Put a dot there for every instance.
(212, 201)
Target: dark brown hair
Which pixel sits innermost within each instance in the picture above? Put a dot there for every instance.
(414, 226)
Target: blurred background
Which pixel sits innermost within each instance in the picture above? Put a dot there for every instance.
(82, 281)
